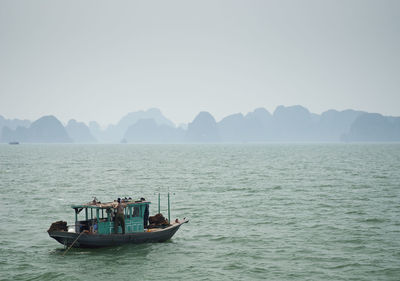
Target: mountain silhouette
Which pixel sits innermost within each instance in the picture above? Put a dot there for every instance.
(259, 125)
(256, 126)
(286, 124)
(203, 129)
(114, 133)
(79, 132)
(12, 124)
(293, 123)
(374, 127)
(333, 124)
(148, 131)
(233, 128)
(46, 129)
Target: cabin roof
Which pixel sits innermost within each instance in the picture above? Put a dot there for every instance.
(108, 205)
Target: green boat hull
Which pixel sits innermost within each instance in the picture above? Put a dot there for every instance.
(92, 240)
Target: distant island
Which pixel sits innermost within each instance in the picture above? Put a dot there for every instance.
(285, 124)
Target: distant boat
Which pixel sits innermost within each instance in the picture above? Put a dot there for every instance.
(97, 228)
(13, 142)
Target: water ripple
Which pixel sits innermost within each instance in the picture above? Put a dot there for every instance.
(257, 212)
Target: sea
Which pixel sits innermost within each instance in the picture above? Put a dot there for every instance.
(256, 211)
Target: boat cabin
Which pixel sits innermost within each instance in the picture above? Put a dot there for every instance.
(99, 217)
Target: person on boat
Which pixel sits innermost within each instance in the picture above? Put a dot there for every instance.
(146, 214)
(119, 217)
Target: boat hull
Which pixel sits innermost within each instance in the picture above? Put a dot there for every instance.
(88, 240)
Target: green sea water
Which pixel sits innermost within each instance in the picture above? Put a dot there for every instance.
(257, 212)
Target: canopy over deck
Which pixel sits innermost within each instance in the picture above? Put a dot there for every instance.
(109, 205)
(100, 217)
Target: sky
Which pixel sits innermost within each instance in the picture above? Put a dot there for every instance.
(99, 60)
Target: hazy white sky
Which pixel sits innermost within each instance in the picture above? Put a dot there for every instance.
(98, 60)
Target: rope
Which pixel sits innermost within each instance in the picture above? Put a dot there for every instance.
(73, 243)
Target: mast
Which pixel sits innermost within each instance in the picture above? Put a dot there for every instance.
(158, 202)
(169, 211)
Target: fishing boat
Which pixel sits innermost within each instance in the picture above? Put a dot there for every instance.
(96, 229)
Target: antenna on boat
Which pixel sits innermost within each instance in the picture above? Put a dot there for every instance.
(158, 200)
(169, 209)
